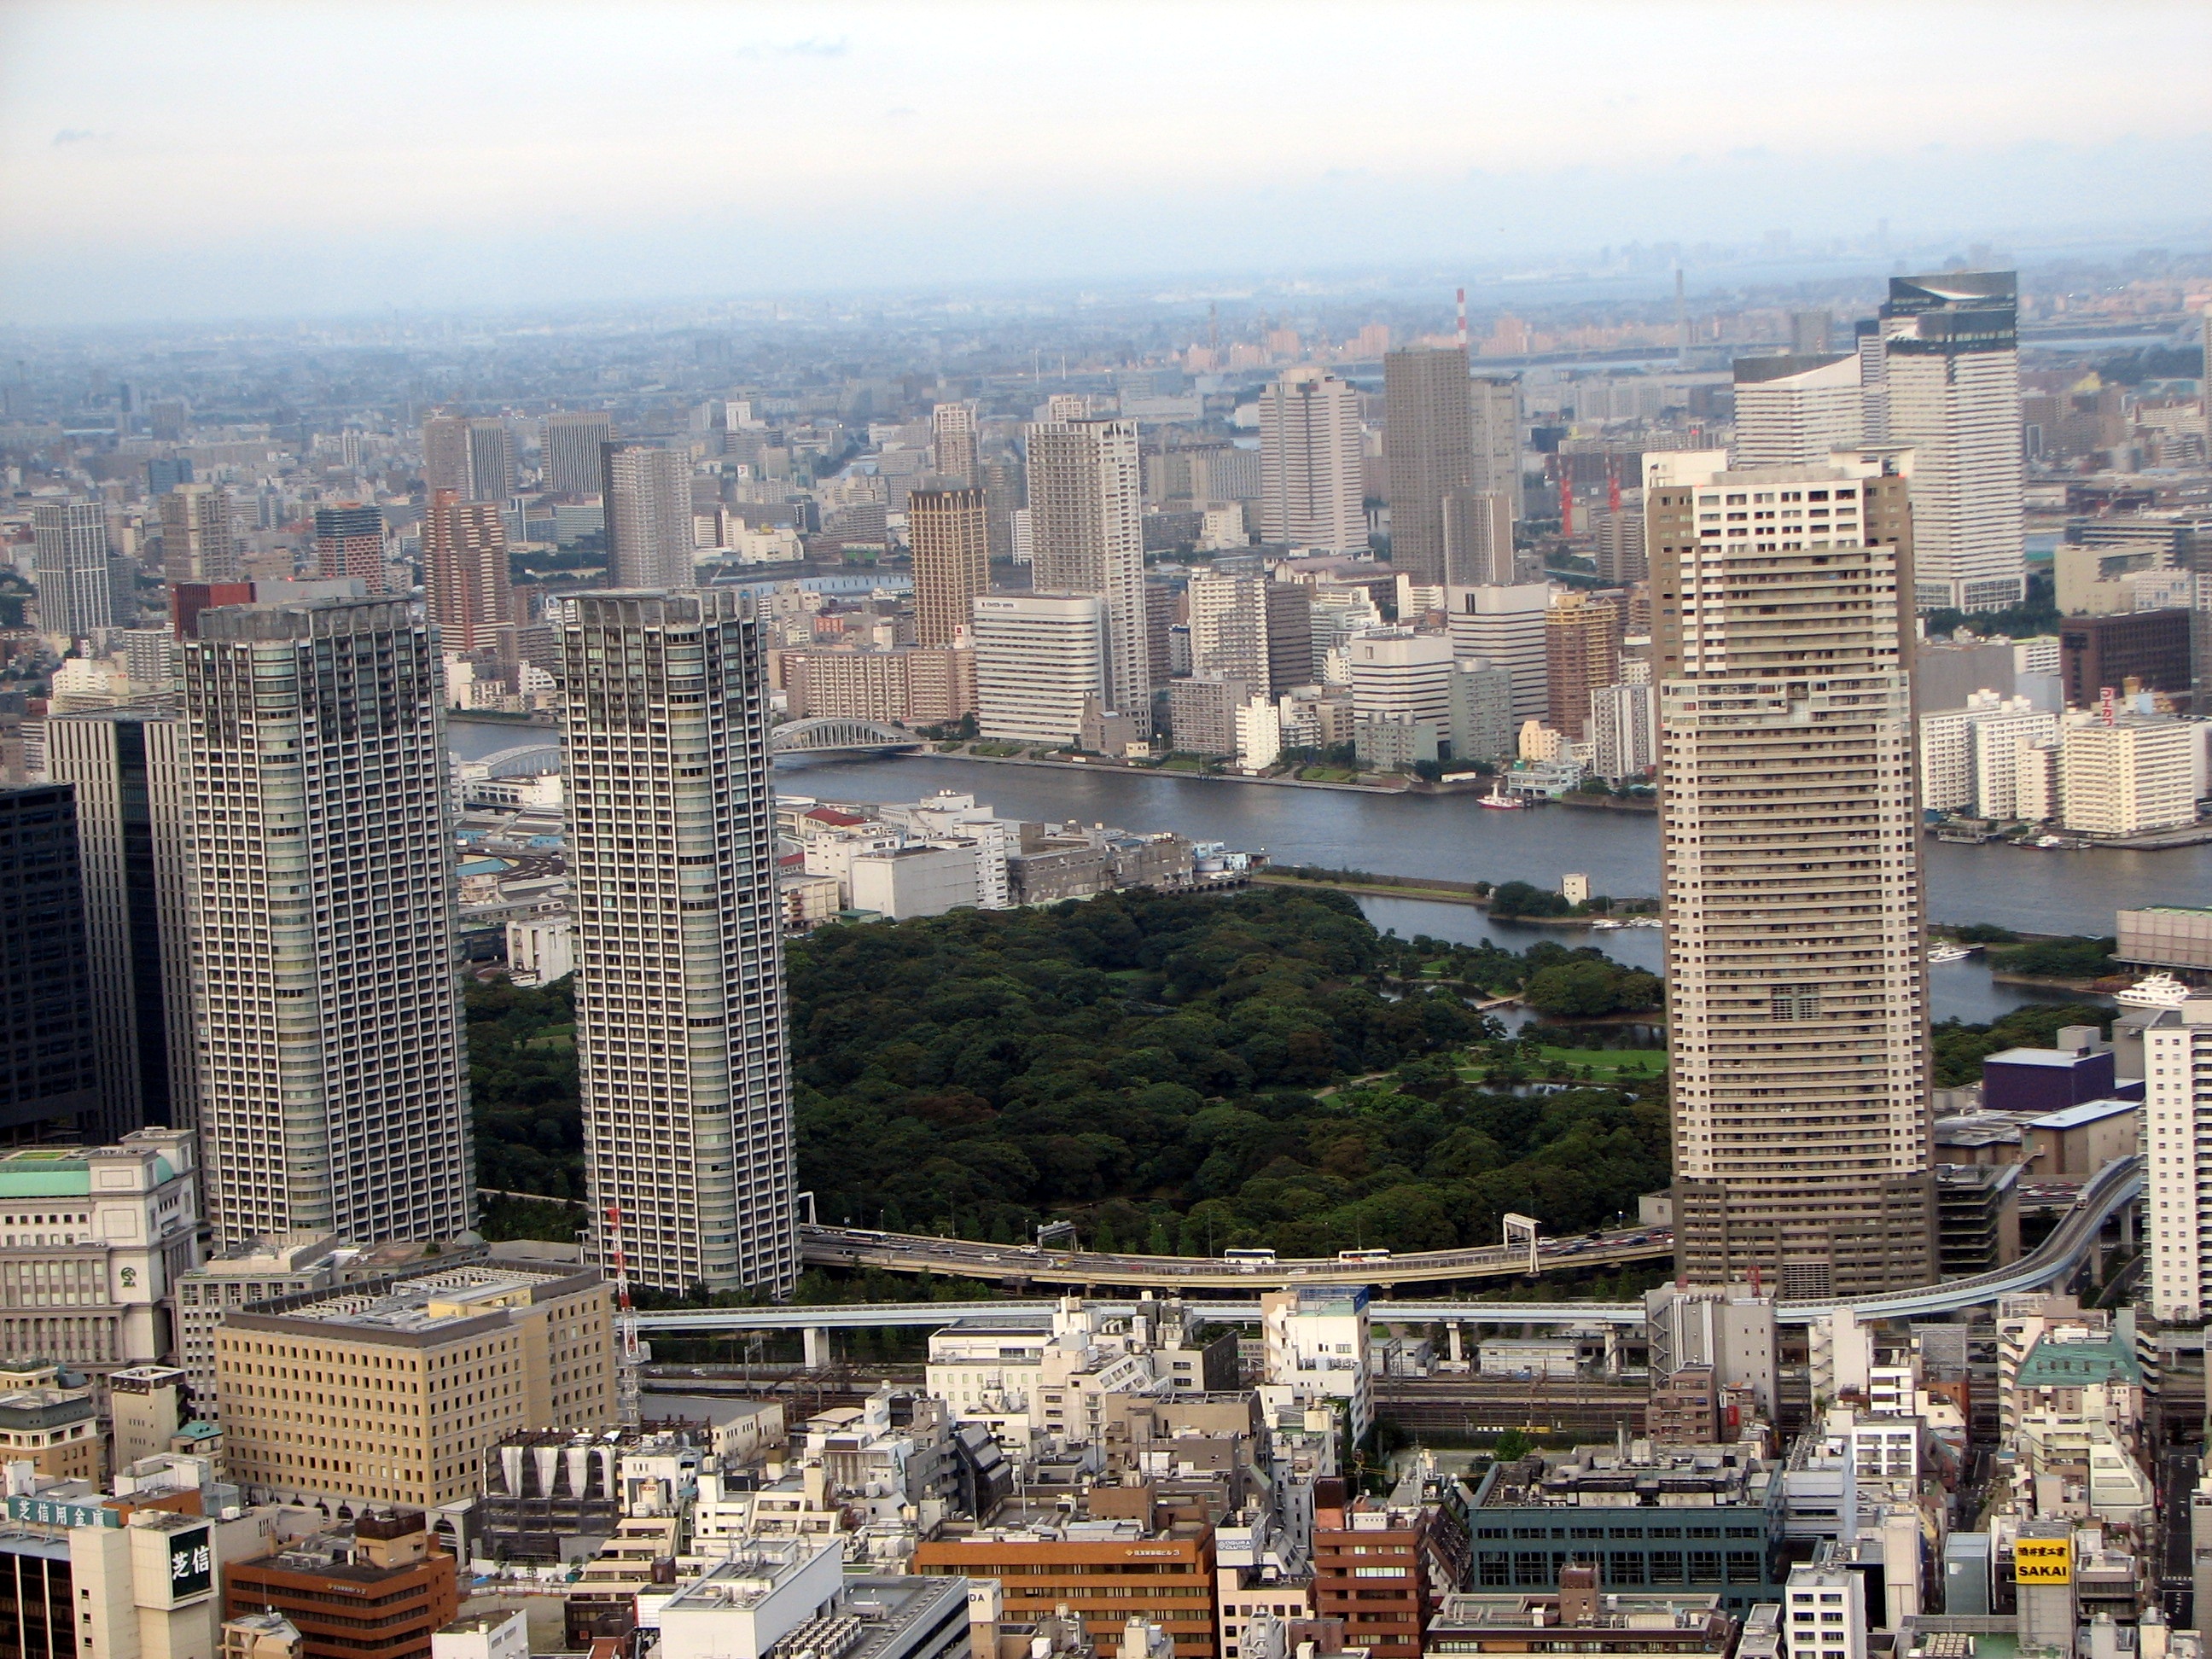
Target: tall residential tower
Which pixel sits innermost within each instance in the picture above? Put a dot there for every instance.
(1950, 367)
(681, 1050)
(334, 1091)
(1086, 525)
(1789, 820)
(1310, 494)
(949, 531)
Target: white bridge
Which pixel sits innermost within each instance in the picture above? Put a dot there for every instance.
(840, 734)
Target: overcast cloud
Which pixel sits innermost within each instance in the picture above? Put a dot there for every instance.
(183, 159)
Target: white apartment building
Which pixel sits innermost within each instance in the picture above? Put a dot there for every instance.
(918, 878)
(682, 1047)
(1794, 411)
(1504, 626)
(1797, 985)
(1087, 536)
(1623, 731)
(333, 1070)
(2177, 1176)
(949, 816)
(1970, 757)
(952, 443)
(2138, 774)
(1310, 489)
(1039, 657)
(1258, 733)
(1951, 390)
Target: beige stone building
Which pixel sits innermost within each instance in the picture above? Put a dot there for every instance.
(389, 1393)
(1796, 965)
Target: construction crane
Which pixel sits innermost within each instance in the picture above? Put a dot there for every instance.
(630, 1353)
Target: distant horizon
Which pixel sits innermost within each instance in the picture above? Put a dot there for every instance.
(1744, 268)
(207, 160)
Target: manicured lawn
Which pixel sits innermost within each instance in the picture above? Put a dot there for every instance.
(1609, 1060)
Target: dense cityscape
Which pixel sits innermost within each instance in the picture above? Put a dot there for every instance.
(1470, 954)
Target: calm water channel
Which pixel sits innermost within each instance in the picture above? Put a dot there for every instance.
(1450, 836)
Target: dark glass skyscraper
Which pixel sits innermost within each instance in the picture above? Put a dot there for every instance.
(49, 1036)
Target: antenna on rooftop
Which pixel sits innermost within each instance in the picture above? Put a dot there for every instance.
(630, 1354)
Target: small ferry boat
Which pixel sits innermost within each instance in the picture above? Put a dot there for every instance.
(2158, 991)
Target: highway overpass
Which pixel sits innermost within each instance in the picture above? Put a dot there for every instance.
(2106, 1194)
(1015, 1264)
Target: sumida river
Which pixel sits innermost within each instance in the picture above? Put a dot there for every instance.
(1450, 836)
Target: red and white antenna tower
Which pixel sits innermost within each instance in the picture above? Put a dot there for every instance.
(1612, 487)
(1462, 319)
(630, 1354)
(1566, 502)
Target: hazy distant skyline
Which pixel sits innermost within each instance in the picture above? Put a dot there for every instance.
(191, 159)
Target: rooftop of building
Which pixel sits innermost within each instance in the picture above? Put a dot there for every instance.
(2085, 1112)
(62, 1172)
(1725, 1474)
(747, 1578)
(879, 1611)
(2050, 1057)
(428, 1304)
(1521, 1610)
(2062, 1361)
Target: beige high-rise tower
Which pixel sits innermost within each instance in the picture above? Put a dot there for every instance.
(950, 533)
(952, 440)
(1087, 527)
(1788, 816)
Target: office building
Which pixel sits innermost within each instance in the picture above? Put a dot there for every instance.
(1478, 529)
(1796, 969)
(50, 1035)
(948, 531)
(1582, 654)
(1951, 394)
(465, 575)
(436, 1366)
(2130, 774)
(1428, 450)
(76, 595)
(570, 457)
(952, 438)
(128, 769)
(198, 538)
(1087, 536)
(1202, 714)
(2177, 1167)
(1039, 657)
(383, 1592)
(648, 508)
(1793, 410)
(2150, 647)
(333, 1069)
(1711, 1348)
(165, 473)
(1825, 1613)
(445, 455)
(95, 1238)
(349, 543)
(1310, 494)
(1250, 628)
(491, 462)
(263, 1271)
(1506, 628)
(1397, 674)
(682, 1047)
(1494, 431)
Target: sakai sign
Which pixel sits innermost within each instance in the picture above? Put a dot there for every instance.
(2042, 1561)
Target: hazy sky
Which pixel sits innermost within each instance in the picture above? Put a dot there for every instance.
(189, 160)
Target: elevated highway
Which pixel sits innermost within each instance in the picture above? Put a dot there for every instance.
(2108, 1194)
(1015, 1264)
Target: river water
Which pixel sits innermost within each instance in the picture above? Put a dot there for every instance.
(1450, 836)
